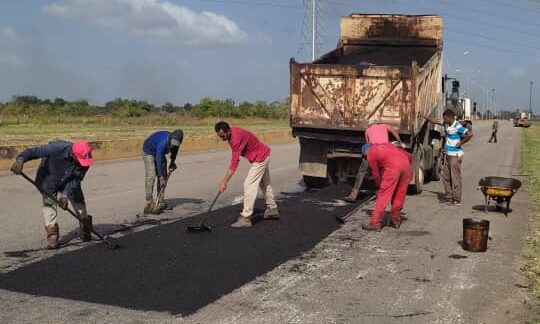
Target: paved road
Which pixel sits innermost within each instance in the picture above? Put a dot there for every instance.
(302, 269)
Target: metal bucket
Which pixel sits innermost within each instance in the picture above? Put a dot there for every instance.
(475, 234)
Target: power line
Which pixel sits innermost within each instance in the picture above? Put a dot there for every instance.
(513, 19)
(492, 38)
(467, 33)
(527, 54)
(270, 4)
(503, 4)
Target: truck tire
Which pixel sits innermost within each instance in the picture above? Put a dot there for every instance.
(315, 182)
(436, 170)
(419, 171)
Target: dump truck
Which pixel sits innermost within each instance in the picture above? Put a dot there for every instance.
(386, 68)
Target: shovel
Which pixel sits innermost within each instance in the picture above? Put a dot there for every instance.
(161, 192)
(202, 227)
(109, 241)
(343, 219)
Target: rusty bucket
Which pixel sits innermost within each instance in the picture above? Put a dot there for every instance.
(475, 234)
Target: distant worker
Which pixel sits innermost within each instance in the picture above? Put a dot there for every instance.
(494, 129)
(244, 143)
(62, 169)
(155, 149)
(456, 136)
(376, 133)
(391, 169)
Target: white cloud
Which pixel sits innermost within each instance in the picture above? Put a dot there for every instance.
(155, 19)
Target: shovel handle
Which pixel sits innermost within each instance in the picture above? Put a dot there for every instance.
(27, 178)
(161, 191)
(214, 202)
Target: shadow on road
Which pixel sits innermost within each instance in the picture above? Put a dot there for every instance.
(167, 269)
(491, 209)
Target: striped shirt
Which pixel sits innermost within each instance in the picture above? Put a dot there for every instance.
(454, 133)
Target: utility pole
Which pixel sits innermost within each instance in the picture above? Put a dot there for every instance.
(530, 98)
(313, 30)
(493, 102)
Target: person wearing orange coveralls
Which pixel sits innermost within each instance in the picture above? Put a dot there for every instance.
(391, 170)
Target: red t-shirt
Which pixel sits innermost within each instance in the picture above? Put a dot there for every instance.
(244, 143)
(377, 134)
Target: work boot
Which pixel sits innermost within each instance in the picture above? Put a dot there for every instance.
(352, 196)
(85, 229)
(242, 222)
(271, 213)
(148, 208)
(371, 227)
(53, 233)
(395, 224)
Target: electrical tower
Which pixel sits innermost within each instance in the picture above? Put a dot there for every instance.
(312, 29)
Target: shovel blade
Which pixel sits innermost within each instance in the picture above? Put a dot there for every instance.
(111, 243)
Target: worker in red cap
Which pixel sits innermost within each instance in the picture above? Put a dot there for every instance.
(391, 169)
(62, 169)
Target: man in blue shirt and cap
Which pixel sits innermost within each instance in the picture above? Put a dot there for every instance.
(155, 149)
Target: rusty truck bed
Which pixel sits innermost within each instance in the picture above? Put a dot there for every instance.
(379, 55)
(386, 67)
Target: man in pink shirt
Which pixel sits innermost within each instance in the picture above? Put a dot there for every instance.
(377, 133)
(244, 143)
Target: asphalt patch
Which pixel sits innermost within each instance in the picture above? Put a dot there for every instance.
(168, 270)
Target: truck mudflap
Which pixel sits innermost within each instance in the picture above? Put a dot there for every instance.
(313, 159)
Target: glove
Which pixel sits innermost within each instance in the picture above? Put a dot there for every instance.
(17, 167)
(63, 202)
(172, 167)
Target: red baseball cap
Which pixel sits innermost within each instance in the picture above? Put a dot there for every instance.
(83, 153)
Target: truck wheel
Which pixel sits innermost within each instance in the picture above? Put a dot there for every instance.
(315, 182)
(419, 172)
(436, 170)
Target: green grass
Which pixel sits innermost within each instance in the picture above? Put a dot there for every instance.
(106, 128)
(531, 166)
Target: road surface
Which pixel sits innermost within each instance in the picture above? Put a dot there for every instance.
(305, 268)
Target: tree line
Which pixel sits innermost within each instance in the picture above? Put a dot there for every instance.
(122, 107)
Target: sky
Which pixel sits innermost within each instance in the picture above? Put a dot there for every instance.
(181, 51)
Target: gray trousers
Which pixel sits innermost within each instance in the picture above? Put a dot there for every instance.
(150, 178)
(451, 176)
(50, 209)
(362, 170)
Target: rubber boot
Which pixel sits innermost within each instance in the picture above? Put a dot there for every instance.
(271, 213)
(85, 229)
(371, 227)
(352, 196)
(53, 233)
(242, 222)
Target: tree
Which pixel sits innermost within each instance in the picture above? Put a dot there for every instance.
(168, 107)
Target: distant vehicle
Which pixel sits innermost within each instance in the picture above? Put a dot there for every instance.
(522, 119)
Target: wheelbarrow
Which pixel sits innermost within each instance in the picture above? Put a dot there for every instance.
(499, 189)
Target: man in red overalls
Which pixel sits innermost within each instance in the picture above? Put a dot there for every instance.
(391, 170)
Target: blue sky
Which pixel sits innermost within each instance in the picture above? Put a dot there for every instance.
(181, 51)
